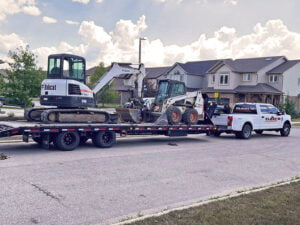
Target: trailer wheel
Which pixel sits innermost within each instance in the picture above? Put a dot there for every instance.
(190, 116)
(83, 140)
(104, 139)
(246, 132)
(286, 129)
(67, 141)
(173, 115)
(38, 140)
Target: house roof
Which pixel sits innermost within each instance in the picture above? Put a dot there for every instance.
(259, 88)
(155, 72)
(283, 67)
(248, 65)
(198, 67)
(90, 71)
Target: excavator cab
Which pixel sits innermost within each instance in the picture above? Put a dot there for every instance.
(66, 66)
(169, 89)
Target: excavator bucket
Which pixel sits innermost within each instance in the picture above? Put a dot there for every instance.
(129, 115)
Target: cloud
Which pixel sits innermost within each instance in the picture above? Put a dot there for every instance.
(47, 19)
(99, 1)
(71, 22)
(121, 44)
(10, 7)
(231, 2)
(82, 1)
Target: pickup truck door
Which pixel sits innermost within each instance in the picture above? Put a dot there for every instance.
(269, 118)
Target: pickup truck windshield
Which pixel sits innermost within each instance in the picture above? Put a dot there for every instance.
(245, 108)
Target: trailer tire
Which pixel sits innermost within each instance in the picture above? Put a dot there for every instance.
(38, 140)
(190, 116)
(246, 132)
(217, 133)
(286, 129)
(174, 115)
(67, 141)
(104, 139)
(83, 140)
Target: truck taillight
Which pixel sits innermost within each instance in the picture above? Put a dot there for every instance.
(229, 120)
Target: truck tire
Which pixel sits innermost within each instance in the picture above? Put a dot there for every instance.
(104, 139)
(67, 141)
(286, 129)
(259, 131)
(246, 132)
(190, 116)
(174, 115)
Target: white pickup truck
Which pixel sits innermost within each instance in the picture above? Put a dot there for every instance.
(248, 117)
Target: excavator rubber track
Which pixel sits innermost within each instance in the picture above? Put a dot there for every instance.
(34, 114)
(75, 116)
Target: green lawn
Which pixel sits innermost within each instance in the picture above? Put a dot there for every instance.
(274, 206)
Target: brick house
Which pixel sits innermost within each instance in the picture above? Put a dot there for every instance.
(246, 80)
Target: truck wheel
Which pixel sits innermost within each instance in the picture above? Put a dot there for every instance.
(104, 139)
(246, 132)
(173, 115)
(67, 141)
(286, 129)
(259, 131)
(190, 116)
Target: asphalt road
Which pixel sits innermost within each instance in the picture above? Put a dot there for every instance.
(137, 176)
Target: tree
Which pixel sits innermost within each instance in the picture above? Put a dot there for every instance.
(110, 95)
(24, 77)
(289, 108)
(1, 85)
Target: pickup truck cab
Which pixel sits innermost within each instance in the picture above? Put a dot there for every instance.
(248, 117)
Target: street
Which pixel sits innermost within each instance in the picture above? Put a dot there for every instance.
(137, 176)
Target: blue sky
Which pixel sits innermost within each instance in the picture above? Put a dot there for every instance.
(176, 30)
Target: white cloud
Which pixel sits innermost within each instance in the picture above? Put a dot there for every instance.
(10, 7)
(47, 19)
(121, 44)
(71, 22)
(231, 2)
(99, 1)
(82, 1)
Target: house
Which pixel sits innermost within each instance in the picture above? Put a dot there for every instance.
(287, 77)
(246, 80)
(3, 74)
(193, 74)
(151, 79)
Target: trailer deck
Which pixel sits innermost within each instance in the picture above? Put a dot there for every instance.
(45, 134)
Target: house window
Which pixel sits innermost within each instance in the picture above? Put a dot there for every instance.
(224, 78)
(176, 72)
(213, 78)
(273, 78)
(246, 77)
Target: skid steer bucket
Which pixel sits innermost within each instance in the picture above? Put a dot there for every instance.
(129, 115)
(162, 119)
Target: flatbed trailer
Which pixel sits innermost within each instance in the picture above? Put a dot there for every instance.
(67, 137)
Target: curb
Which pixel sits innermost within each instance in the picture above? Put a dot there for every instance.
(210, 200)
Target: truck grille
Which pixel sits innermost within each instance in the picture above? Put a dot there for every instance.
(74, 89)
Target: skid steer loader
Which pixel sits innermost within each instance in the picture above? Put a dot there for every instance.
(172, 105)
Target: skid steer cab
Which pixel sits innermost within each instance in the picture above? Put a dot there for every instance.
(173, 104)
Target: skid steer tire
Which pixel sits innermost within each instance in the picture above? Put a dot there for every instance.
(190, 116)
(174, 115)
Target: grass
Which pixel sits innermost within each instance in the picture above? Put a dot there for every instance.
(276, 206)
(11, 107)
(296, 120)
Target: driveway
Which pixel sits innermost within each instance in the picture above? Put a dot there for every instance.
(136, 176)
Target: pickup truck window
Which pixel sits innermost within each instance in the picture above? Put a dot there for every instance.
(245, 108)
(268, 109)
